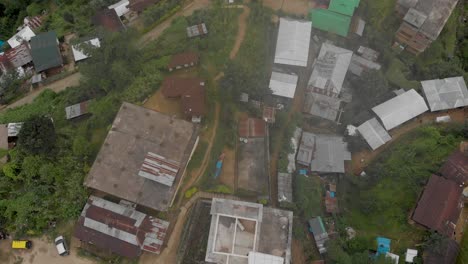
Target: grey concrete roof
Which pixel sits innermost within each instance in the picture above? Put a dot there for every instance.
(238, 228)
(415, 18)
(400, 109)
(136, 131)
(325, 153)
(292, 46)
(322, 106)
(285, 192)
(374, 133)
(359, 65)
(330, 68)
(442, 94)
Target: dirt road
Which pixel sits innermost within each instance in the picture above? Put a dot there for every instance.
(242, 21)
(43, 251)
(186, 11)
(57, 86)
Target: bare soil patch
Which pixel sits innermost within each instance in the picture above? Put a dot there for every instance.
(228, 175)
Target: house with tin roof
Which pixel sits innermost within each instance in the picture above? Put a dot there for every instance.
(374, 133)
(336, 18)
(444, 94)
(45, 51)
(119, 228)
(292, 45)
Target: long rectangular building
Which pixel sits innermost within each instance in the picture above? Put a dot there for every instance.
(292, 46)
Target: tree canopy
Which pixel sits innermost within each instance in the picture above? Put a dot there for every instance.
(37, 136)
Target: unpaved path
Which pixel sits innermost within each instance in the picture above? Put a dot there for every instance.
(57, 86)
(186, 11)
(242, 21)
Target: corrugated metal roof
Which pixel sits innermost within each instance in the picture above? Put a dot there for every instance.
(19, 56)
(415, 18)
(282, 84)
(374, 133)
(79, 53)
(260, 258)
(108, 19)
(24, 34)
(324, 153)
(197, 30)
(456, 168)
(359, 65)
(345, 7)
(76, 110)
(120, 229)
(330, 68)
(443, 94)
(14, 129)
(121, 7)
(368, 53)
(292, 45)
(45, 51)
(439, 206)
(400, 109)
(322, 106)
(252, 127)
(285, 192)
(330, 21)
(159, 169)
(184, 59)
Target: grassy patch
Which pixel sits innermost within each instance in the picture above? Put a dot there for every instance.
(308, 192)
(380, 204)
(197, 156)
(396, 75)
(463, 255)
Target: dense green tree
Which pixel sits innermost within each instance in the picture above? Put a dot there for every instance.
(37, 136)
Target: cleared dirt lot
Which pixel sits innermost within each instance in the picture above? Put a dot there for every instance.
(42, 252)
(295, 7)
(251, 166)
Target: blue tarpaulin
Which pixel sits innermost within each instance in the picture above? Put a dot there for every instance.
(303, 172)
(332, 194)
(383, 245)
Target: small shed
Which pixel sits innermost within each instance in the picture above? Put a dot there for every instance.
(121, 7)
(36, 79)
(197, 30)
(410, 255)
(317, 228)
(77, 110)
(80, 54)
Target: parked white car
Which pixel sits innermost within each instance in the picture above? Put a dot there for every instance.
(61, 246)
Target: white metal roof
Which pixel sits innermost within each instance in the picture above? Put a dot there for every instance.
(120, 7)
(292, 46)
(260, 258)
(410, 255)
(14, 129)
(374, 133)
(283, 84)
(443, 94)
(79, 54)
(24, 34)
(330, 68)
(400, 109)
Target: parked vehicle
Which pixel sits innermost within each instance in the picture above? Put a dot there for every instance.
(21, 244)
(61, 246)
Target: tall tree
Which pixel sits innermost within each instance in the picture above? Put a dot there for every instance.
(37, 136)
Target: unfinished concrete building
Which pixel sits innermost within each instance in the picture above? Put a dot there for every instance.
(144, 157)
(245, 233)
(423, 20)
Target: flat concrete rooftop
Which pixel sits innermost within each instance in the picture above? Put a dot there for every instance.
(137, 131)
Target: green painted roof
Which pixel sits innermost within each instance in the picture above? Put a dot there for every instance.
(330, 21)
(345, 7)
(45, 51)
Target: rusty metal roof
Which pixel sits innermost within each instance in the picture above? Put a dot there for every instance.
(190, 90)
(119, 228)
(141, 5)
(456, 168)
(108, 19)
(182, 59)
(252, 127)
(439, 206)
(159, 169)
(76, 110)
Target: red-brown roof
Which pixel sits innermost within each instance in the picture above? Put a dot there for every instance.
(439, 206)
(251, 127)
(190, 90)
(140, 5)
(181, 59)
(119, 229)
(445, 253)
(108, 19)
(456, 168)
